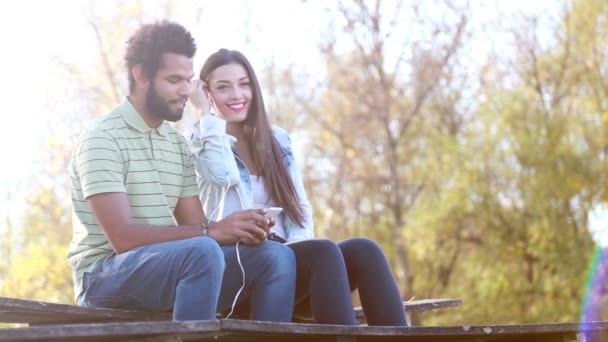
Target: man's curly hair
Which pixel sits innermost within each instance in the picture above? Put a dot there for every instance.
(151, 41)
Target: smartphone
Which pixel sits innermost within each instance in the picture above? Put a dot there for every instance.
(273, 212)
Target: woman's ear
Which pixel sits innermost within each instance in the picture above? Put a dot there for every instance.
(212, 106)
(209, 97)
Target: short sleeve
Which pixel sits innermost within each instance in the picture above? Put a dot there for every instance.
(99, 164)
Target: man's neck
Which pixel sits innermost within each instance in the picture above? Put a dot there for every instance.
(139, 102)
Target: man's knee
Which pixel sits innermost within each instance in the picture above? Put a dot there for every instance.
(204, 251)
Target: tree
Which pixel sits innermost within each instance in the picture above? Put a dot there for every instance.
(461, 189)
(535, 155)
(368, 125)
(37, 269)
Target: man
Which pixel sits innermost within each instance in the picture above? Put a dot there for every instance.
(141, 240)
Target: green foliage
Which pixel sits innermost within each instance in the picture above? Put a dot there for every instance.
(518, 191)
(501, 218)
(37, 268)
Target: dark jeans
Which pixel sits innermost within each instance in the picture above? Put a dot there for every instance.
(328, 272)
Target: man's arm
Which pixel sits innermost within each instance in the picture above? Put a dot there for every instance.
(112, 211)
(189, 210)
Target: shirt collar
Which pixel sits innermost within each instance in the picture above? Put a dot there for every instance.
(134, 119)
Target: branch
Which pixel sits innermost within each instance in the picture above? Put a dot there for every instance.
(105, 60)
(558, 94)
(423, 97)
(320, 119)
(537, 82)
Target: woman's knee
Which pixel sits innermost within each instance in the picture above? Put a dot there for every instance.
(318, 253)
(278, 256)
(322, 249)
(362, 252)
(361, 246)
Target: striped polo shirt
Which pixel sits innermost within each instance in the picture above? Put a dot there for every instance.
(119, 152)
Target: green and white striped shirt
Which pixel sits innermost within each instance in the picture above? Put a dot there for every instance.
(119, 152)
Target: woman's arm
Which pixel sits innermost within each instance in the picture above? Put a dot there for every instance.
(308, 227)
(212, 150)
(306, 231)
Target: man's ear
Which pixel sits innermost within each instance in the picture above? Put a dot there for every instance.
(141, 80)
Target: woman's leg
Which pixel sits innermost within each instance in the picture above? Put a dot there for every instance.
(369, 272)
(269, 281)
(322, 282)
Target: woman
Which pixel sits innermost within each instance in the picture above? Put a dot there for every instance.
(242, 162)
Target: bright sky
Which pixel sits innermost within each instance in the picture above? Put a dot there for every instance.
(598, 224)
(32, 32)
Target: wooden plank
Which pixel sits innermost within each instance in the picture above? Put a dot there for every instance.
(417, 305)
(530, 332)
(123, 331)
(430, 304)
(14, 310)
(243, 331)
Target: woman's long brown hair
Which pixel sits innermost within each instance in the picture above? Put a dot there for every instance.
(262, 143)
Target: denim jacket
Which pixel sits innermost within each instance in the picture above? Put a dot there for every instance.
(225, 182)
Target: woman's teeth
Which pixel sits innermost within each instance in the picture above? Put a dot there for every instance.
(237, 106)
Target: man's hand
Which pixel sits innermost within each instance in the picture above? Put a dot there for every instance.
(248, 226)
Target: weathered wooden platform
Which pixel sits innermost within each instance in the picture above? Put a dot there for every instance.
(60, 322)
(239, 330)
(14, 310)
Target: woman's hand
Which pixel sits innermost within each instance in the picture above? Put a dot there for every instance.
(198, 97)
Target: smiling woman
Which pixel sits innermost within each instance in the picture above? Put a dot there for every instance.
(230, 91)
(250, 164)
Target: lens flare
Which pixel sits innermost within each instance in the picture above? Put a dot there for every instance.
(591, 310)
(597, 274)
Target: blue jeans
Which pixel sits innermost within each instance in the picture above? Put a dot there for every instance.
(270, 281)
(195, 278)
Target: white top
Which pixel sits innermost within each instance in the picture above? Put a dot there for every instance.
(261, 199)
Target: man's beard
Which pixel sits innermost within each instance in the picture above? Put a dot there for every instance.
(159, 107)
